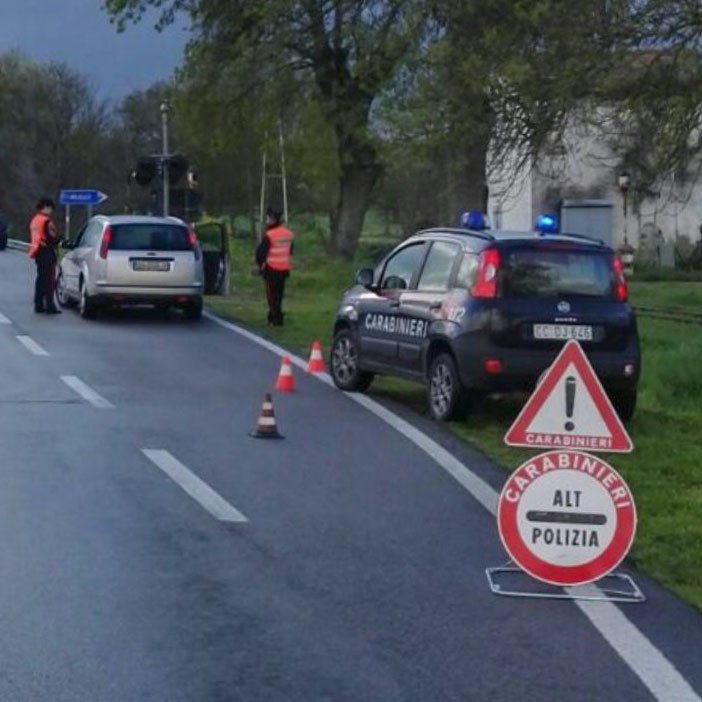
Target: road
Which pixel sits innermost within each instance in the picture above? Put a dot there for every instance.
(357, 576)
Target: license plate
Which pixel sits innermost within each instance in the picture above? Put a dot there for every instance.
(562, 332)
(150, 265)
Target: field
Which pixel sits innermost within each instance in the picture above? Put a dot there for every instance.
(665, 470)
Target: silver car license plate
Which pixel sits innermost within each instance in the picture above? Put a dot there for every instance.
(562, 332)
(151, 266)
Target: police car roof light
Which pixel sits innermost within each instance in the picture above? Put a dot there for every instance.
(474, 219)
(547, 224)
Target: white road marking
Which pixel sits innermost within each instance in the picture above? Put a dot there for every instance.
(32, 346)
(656, 672)
(4, 319)
(86, 392)
(200, 491)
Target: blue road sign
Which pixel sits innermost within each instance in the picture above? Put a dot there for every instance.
(82, 197)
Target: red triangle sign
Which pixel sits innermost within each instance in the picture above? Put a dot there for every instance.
(570, 410)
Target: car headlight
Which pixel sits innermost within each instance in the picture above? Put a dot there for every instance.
(350, 311)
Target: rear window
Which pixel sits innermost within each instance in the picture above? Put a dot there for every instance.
(556, 273)
(149, 237)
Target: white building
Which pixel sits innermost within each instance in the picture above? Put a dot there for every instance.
(580, 183)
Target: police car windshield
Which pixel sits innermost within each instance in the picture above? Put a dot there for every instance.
(557, 273)
(149, 237)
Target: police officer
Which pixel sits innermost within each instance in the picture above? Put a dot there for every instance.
(274, 259)
(43, 249)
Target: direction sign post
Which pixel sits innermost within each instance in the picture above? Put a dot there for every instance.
(79, 196)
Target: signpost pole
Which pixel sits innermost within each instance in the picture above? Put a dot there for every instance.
(67, 228)
(165, 109)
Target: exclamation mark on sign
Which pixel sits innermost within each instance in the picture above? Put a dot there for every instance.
(570, 401)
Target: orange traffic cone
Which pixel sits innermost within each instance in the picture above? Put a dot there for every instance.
(285, 382)
(266, 427)
(316, 362)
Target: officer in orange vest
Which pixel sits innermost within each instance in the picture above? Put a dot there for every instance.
(43, 249)
(274, 259)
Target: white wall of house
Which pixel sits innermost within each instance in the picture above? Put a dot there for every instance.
(587, 169)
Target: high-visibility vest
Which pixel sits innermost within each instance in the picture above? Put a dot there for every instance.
(279, 255)
(38, 230)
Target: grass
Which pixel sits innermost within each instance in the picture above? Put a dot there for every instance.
(664, 470)
(665, 294)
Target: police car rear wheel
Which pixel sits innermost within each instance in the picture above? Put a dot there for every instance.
(344, 364)
(446, 396)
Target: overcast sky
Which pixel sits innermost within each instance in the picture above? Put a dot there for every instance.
(79, 33)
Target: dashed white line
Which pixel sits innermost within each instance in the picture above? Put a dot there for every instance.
(656, 672)
(32, 346)
(200, 491)
(86, 392)
(4, 319)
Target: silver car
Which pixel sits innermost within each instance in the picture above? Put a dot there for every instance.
(130, 260)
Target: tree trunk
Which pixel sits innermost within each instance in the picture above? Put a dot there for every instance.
(356, 184)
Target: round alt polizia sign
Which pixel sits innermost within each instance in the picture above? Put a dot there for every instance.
(566, 517)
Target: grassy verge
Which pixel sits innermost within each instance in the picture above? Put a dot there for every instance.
(664, 471)
(666, 294)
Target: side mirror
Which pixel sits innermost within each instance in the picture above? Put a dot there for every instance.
(364, 277)
(394, 282)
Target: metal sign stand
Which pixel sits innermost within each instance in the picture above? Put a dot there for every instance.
(510, 581)
(265, 176)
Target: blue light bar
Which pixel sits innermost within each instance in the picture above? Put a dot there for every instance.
(547, 224)
(474, 219)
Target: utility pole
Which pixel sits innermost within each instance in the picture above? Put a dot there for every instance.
(165, 109)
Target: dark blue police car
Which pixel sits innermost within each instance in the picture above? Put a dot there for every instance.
(474, 311)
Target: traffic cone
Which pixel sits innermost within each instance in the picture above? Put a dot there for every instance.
(266, 427)
(285, 382)
(316, 362)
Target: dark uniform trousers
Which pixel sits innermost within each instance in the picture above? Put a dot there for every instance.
(46, 279)
(275, 288)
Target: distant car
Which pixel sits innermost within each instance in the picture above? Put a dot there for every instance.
(132, 260)
(469, 312)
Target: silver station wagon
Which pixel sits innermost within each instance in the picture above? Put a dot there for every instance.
(129, 260)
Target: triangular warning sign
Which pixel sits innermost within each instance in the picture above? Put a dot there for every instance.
(570, 409)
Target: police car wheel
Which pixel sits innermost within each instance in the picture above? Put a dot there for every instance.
(344, 364)
(446, 395)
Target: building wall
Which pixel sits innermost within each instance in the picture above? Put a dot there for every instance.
(587, 169)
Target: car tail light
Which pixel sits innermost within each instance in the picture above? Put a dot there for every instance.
(106, 239)
(192, 239)
(493, 366)
(619, 279)
(486, 282)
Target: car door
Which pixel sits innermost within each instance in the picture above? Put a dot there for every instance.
(70, 270)
(379, 322)
(421, 305)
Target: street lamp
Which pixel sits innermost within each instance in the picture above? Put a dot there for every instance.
(627, 251)
(624, 182)
(165, 111)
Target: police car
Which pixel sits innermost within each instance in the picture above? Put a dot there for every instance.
(469, 311)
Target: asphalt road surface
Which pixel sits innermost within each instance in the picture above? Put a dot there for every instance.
(153, 551)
